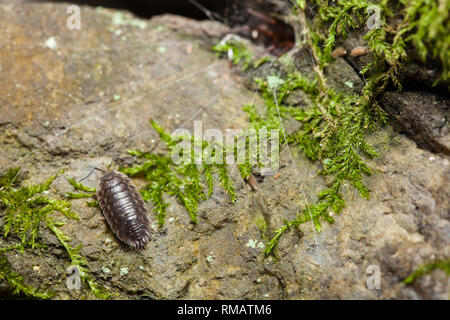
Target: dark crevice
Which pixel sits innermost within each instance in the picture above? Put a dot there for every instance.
(257, 21)
(194, 9)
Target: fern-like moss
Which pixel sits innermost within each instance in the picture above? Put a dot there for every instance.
(427, 268)
(16, 281)
(26, 210)
(332, 132)
(424, 24)
(333, 129)
(188, 182)
(236, 51)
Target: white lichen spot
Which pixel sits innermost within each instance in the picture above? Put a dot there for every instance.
(123, 271)
(161, 49)
(116, 97)
(139, 23)
(141, 268)
(261, 245)
(118, 18)
(108, 240)
(209, 259)
(51, 43)
(431, 158)
(106, 270)
(349, 84)
(258, 280)
(171, 219)
(37, 269)
(251, 243)
(160, 28)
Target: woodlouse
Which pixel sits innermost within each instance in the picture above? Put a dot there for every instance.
(124, 209)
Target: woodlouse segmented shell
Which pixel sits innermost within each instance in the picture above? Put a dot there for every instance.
(124, 209)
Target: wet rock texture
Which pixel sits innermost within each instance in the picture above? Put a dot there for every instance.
(80, 98)
(423, 117)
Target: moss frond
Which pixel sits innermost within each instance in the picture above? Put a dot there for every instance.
(189, 182)
(332, 132)
(424, 24)
(236, 51)
(26, 210)
(80, 186)
(16, 282)
(333, 129)
(427, 268)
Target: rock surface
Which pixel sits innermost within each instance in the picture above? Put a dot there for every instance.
(423, 117)
(80, 98)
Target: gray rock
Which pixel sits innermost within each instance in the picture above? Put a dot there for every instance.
(87, 98)
(423, 117)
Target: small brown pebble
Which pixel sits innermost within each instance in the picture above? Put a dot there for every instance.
(277, 175)
(251, 181)
(358, 51)
(338, 52)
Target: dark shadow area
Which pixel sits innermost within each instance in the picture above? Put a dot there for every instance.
(195, 9)
(254, 20)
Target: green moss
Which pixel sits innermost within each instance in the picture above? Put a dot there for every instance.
(332, 132)
(188, 182)
(427, 268)
(80, 186)
(236, 51)
(423, 24)
(261, 223)
(333, 129)
(26, 209)
(16, 282)
(341, 17)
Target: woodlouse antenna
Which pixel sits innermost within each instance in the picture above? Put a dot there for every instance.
(95, 168)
